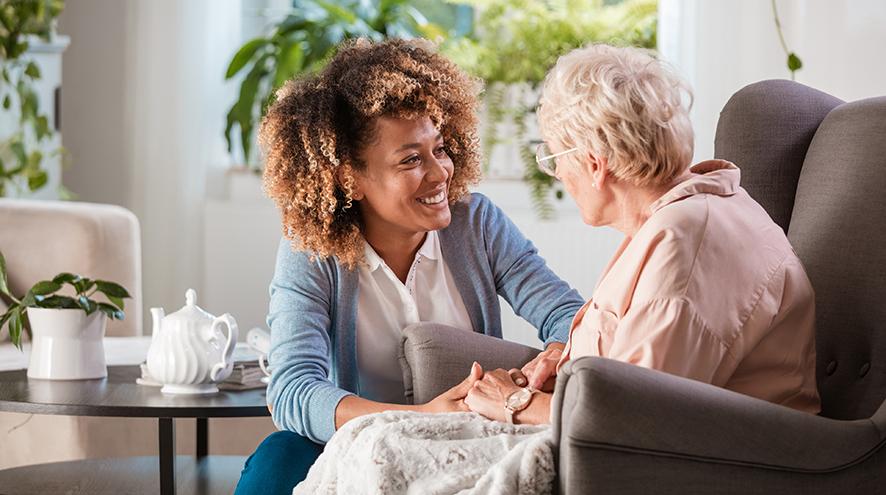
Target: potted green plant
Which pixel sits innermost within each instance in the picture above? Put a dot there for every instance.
(21, 159)
(302, 43)
(66, 331)
(515, 43)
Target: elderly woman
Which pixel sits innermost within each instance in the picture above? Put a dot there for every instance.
(369, 162)
(705, 285)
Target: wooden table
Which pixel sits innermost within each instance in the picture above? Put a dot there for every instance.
(119, 395)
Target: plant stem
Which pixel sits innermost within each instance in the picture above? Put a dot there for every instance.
(9, 299)
(784, 45)
(778, 29)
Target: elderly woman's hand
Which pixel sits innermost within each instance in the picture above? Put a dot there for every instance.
(487, 396)
(452, 400)
(541, 372)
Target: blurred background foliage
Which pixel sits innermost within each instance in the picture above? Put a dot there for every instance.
(22, 23)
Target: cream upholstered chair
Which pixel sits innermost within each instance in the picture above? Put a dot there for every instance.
(43, 238)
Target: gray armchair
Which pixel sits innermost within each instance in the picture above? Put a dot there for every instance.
(818, 166)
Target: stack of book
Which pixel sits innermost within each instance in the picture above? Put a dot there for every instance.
(247, 373)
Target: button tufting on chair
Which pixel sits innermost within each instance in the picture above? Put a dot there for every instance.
(832, 366)
(864, 369)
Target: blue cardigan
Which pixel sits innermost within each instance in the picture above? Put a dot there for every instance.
(313, 311)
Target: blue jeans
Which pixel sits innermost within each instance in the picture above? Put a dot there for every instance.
(278, 464)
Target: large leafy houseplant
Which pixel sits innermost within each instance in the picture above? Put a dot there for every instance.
(515, 43)
(302, 43)
(45, 294)
(21, 22)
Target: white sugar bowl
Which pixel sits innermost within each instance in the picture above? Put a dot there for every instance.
(189, 353)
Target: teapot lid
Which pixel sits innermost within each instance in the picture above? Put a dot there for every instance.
(191, 312)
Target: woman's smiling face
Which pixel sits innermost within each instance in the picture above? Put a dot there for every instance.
(404, 187)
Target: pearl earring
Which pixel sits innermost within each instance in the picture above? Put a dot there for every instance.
(594, 185)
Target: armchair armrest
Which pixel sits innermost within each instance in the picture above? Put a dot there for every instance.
(606, 405)
(436, 357)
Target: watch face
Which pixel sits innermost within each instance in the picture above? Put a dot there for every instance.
(519, 398)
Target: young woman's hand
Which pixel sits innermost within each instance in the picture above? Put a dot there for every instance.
(541, 372)
(453, 399)
(487, 395)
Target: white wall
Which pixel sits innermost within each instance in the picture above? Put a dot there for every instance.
(721, 46)
(94, 100)
(143, 109)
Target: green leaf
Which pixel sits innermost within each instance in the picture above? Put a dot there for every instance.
(112, 312)
(18, 149)
(116, 301)
(337, 11)
(37, 180)
(45, 287)
(58, 302)
(4, 287)
(18, 49)
(87, 304)
(111, 289)
(34, 159)
(243, 55)
(41, 127)
(29, 104)
(29, 300)
(83, 285)
(794, 62)
(15, 327)
(7, 102)
(32, 70)
(243, 111)
(26, 324)
(6, 316)
(290, 63)
(66, 278)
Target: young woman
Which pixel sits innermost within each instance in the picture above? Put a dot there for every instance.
(369, 162)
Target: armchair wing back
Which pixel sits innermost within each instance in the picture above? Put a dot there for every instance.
(819, 167)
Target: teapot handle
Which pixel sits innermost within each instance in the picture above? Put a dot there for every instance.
(226, 362)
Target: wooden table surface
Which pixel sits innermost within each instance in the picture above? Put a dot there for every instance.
(119, 395)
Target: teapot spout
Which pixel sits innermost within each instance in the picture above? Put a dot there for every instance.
(157, 314)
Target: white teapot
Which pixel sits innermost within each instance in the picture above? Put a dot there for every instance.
(189, 354)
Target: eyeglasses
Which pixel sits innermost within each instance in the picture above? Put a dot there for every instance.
(545, 158)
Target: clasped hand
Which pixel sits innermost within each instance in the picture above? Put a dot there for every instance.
(485, 392)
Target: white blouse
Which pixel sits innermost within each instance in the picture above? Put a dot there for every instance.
(385, 306)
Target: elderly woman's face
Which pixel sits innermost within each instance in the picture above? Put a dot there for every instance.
(574, 170)
(405, 185)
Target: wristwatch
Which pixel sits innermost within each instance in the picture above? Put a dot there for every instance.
(518, 401)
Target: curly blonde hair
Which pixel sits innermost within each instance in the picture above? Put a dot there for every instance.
(313, 133)
(622, 104)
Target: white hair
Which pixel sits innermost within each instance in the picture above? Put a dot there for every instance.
(621, 104)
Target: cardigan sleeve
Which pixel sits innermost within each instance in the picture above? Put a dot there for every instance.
(523, 278)
(300, 392)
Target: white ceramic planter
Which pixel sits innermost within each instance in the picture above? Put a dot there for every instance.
(67, 344)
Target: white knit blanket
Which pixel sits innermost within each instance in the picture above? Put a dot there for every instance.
(434, 454)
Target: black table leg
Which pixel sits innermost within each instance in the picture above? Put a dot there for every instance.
(167, 456)
(202, 437)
